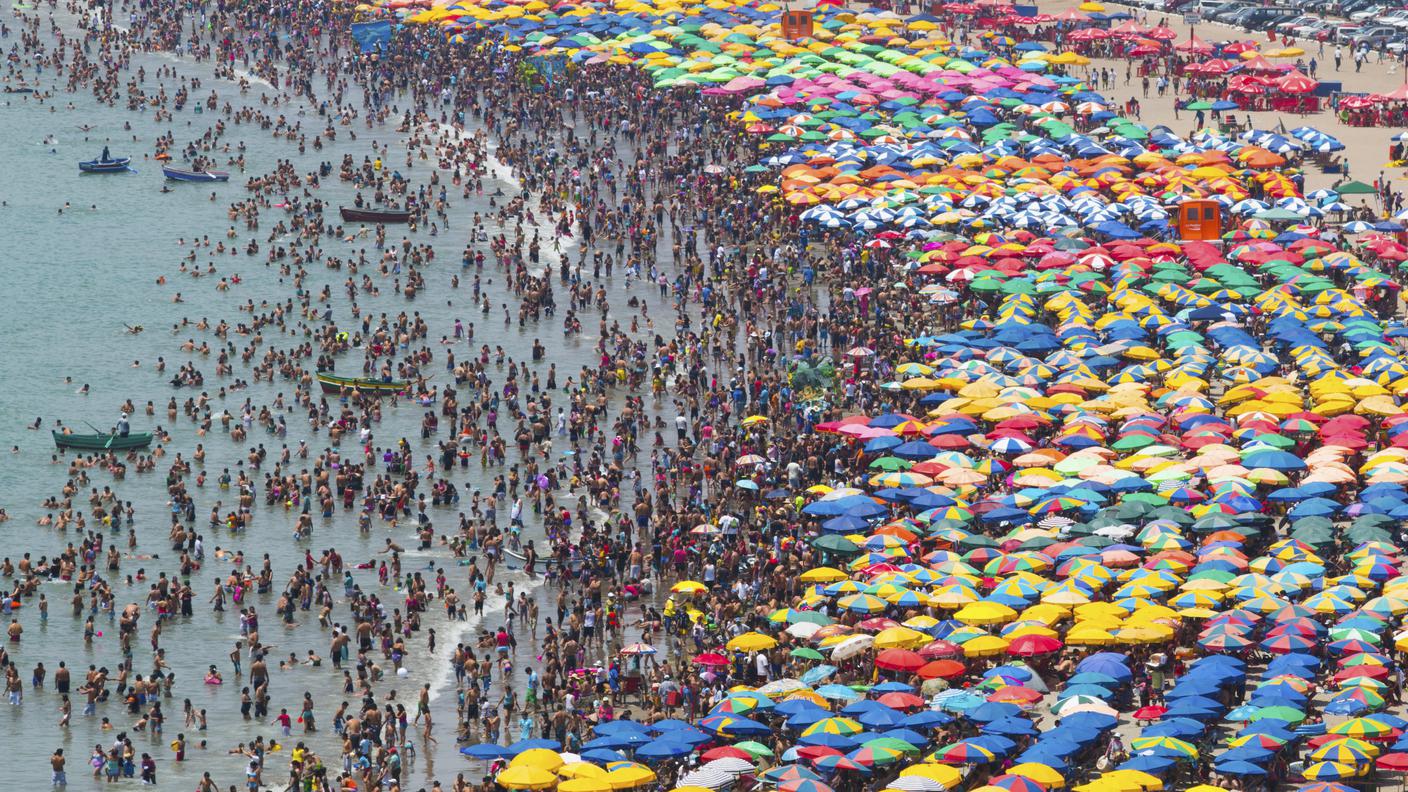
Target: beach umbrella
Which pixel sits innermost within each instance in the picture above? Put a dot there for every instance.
(526, 777)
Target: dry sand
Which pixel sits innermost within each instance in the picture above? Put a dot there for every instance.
(1366, 148)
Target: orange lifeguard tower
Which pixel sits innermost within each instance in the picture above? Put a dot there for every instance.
(1199, 219)
(796, 23)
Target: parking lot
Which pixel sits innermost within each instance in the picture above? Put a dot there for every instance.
(1354, 24)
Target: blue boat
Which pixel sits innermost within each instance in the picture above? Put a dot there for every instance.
(181, 174)
(119, 165)
(106, 164)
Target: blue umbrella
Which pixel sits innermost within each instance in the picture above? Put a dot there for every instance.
(1241, 769)
(992, 711)
(927, 719)
(619, 727)
(1111, 664)
(1273, 459)
(525, 745)
(663, 748)
(601, 756)
(1148, 763)
(487, 751)
(1020, 727)
(612, 742)
(1174, 727)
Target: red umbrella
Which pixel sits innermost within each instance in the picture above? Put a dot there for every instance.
(815, 752)
(1194, 44)
(1370, 671)
(725, 752)
(877, 624)
(1030, 645)
(901, 701)
(1395, 762)
(937, 649)
(711, 659)
(1151, 712)
(941, 669)
(1398, 94)
(899, 660)
(1297, 83)
(949, 442)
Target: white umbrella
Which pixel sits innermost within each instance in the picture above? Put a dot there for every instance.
(852, 647)
(730, 764)
(916, 783)
(782, 686)
(707, 777)
(803, 630)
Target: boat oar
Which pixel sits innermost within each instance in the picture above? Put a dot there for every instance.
(106, 445)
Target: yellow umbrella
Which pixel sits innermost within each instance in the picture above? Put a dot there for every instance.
(823, 575)
(581, 770)
(900, 637)
(1039, 773)
(984, 646)
(688, 587)
(526, 777)
(540, 758)
(630, 777)
(751, 642)
(985, 613)
(584, 785)
(949, 777)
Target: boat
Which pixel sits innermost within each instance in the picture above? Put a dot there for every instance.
(332, 383)
(351, 214)
(102, 442)
(573, 564)
(118, 165)
(181, 174)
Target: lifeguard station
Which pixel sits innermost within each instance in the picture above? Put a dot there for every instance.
(796, 24)
(1198, 219)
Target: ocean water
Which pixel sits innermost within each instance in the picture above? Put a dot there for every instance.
(73, 280)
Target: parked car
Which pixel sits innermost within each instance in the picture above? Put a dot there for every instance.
(1265, 17)
(1343, 33)
(1367, 15)
(1316, 31)
(1291, 24)
(1373, 37)
(1226, 12)
(1208, 8)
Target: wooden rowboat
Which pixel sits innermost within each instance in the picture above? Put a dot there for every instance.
(335, 384)
(102, 442)
(119, 165)
(181, 174)
(351, 214)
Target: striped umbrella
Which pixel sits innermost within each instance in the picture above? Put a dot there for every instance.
(1330, 771)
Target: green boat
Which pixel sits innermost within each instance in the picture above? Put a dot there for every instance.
(335, 384)
(102, 442)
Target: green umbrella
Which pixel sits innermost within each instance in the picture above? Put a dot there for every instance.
(831, 543)
(1354, 188)
(807, 653)
(754, 748)
(1277, 215)
(1290, 715)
